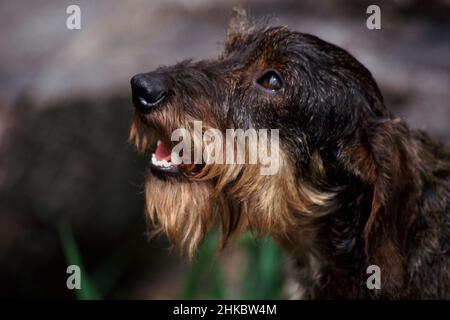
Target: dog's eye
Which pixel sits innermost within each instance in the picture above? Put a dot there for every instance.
(270, 80)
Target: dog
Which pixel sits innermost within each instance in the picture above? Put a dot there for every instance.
(355, 186)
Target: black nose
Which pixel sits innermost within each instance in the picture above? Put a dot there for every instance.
(148, 90)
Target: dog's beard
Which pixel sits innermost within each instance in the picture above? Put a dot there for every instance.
(234, 197)
(182, 210)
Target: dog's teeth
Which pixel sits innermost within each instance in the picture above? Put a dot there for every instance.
(154, 161)
(160, 163)
(158, 142)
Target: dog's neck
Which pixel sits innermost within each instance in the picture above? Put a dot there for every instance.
(369, 217)
(331, 250)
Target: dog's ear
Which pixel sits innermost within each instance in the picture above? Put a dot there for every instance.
(382, 158)
(239, 21)
(238, 28)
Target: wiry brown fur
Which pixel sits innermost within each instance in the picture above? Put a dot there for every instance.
(355, 185)
(236, 197)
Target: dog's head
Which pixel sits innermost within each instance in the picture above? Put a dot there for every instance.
(324, 103)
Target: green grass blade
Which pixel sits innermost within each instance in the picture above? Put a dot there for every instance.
(88, 290)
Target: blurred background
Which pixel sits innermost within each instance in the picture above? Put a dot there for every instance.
(71, 188)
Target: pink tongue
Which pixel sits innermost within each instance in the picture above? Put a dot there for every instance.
(162, 152)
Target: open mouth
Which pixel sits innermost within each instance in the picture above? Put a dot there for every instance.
(161, 160)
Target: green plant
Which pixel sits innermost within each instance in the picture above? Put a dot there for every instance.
(88, 289)
(261, 275)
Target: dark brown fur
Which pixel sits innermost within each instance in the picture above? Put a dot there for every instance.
(356, 186)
